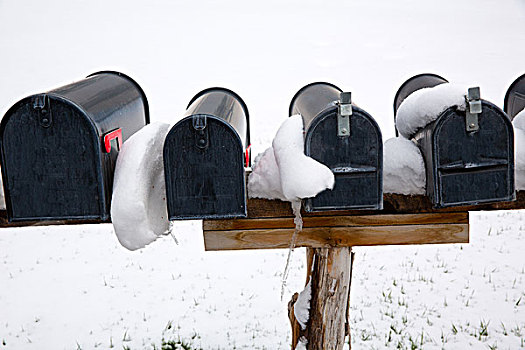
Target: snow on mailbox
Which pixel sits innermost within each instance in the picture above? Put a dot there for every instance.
(467, 142)
(59, 148)
(346, 139)
(204, 158)
(515, 97)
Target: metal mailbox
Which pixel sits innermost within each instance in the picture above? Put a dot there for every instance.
(515, 97)
(204, 158)
(58, 149)
(469, 154)
(346, 139)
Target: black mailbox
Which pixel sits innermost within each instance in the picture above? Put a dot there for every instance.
(347, 140)
(204, 158)
(515, 97)
(469, 154)
(59, 148)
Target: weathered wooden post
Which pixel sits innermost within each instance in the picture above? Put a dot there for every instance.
(330, 298)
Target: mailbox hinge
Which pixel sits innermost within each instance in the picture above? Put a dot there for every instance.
(473, 100)
(344, 112)
(42, 107)
(201, 136)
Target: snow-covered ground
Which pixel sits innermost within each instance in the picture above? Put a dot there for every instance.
(76, 287)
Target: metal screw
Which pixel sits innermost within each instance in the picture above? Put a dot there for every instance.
(45, 120)
(344, 131)
(472, 125)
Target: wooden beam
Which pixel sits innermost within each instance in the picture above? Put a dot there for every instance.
(326, 237)
(334, 221)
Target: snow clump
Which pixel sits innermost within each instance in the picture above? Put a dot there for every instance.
(138, 207)
(424, 106)
(265, 180)
(519, 149)
(301, 308)
(403, 167)
(301, 345)
(288, 173)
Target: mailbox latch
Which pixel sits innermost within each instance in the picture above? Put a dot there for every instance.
(473, 100)
(42, 107)
(343, 114)
(201, 132)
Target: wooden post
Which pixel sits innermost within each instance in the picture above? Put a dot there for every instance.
(329, 303)
(331, 278)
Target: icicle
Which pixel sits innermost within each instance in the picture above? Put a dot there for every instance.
(298, 221)
(170, 232)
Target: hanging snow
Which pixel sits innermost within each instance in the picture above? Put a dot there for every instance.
(301, 176)
(425, 105)
(265, 181)
(301, 308)
(284, 171)
(138, 207)
(403, 167)
(519, 149)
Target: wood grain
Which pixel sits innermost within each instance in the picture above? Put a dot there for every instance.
(333, 221)
(326, 237)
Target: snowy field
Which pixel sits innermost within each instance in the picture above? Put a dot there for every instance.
(75, 287)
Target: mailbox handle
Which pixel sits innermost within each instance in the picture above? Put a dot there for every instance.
(115, 134)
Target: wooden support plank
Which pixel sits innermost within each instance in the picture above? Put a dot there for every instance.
(332, 221)
(325, 237)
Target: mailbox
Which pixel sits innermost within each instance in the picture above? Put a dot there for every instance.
(58, 149)
(515, 97)
(204, 158)
(469, 154)
(347, 140)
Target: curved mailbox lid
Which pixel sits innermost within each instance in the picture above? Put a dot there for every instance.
(417, 82)
(312, 99)
(515, 97)
(224, 104)
(105, 97)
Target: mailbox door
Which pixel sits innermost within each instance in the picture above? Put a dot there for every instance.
(204, 169)
(51, 162)
(473, 167)
(355, 160)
